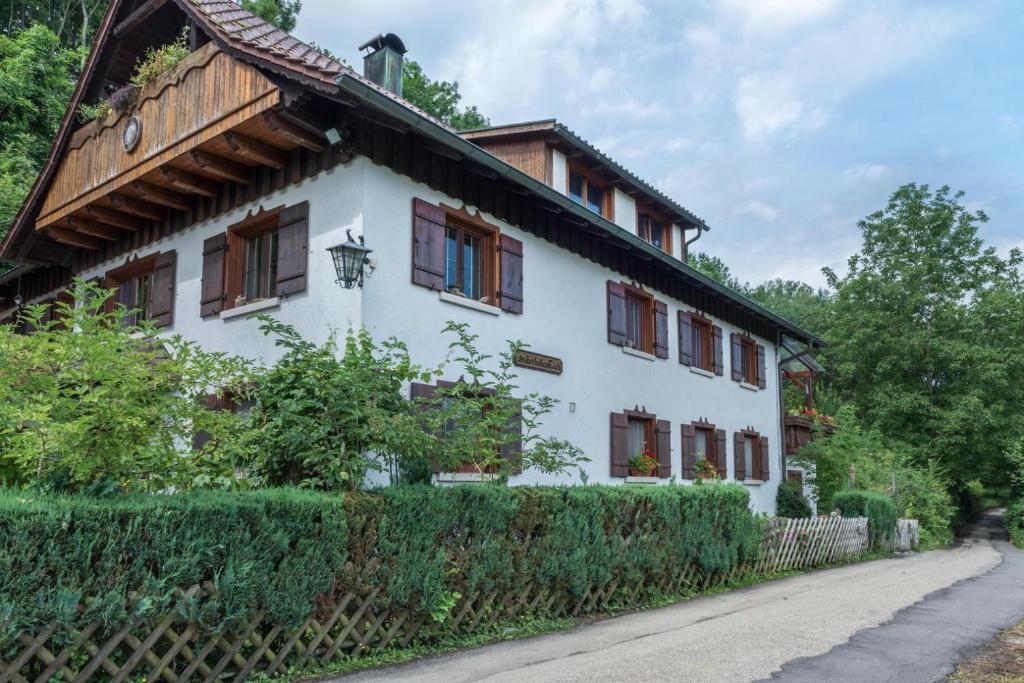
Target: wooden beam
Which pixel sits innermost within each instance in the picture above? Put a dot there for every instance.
(102, 214)
(136, 18)
(163, 196)
(137, 207)
(293, 132)
(73, 239)
(94, 229)
(190, 182)
(221, 167)
(254, 150)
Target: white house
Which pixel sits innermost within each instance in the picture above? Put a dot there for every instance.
(219, 193)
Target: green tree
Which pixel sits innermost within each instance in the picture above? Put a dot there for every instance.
(924, 333)
(324, 420)
(795, 301)
(483, 420)
(440, 99)
(36, 81)
(89, 399)
(74, 22)
(281, 13)
(716, 269)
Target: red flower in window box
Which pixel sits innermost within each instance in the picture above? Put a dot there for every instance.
(705, 469)
(643, 465)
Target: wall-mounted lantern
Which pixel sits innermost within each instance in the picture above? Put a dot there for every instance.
(350, 262)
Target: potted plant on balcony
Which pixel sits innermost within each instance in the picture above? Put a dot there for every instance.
(643, 465)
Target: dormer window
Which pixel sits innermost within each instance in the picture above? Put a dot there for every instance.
(586, 191)
(656, 231)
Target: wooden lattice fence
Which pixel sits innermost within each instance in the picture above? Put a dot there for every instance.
(177, 650)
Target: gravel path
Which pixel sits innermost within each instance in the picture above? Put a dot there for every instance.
(742, 635)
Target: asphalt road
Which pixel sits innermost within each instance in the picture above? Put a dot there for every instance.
(905, 619)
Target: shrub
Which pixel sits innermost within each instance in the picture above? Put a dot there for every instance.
(1015, 522)
(125, 555)
(282, 550)
(157, 62)
(92, 399)
(922, 489)
(877, 507)
(790, 501)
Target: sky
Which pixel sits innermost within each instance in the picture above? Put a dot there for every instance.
(781, 123)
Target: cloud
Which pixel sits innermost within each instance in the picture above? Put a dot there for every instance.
(678, 144)
(861, 173)
(758, 209)
(784, 84)
(778, 14)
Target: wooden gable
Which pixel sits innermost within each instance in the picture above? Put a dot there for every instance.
(184, 116)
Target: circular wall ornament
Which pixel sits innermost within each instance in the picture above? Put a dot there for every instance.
(132, 134)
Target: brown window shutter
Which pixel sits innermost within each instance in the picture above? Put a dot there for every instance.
(428, 225)
(737, 456)
(616, 313)
(420, 394)
(762, 374)
(663, 437)
(685, 338)
(111, 301)
(660, 329)
(720, 461)
(513, 450)
(619, 454)
(161, 289)
(736, 349)
(764, 473)
(511, 274)
(689, 448)
(718, 366)
(292, 249)
(211, 300)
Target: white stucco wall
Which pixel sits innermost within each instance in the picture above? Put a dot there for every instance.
(625, 210)
(335, 203)
(564, 316)
(559, 171)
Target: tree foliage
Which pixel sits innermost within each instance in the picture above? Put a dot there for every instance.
(91, 400)
(281, 13)
(440, 99)
(36, 81)
(925, 333)
(74, 22)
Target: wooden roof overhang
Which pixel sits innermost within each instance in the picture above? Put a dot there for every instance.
(595, 162)
(212, 119)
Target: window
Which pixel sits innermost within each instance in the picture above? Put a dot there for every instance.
(701, 441)
(260, 266)
(655, 231)
(748, 361)
(639, 321)
(749, 446)
(144, 286)
(641, 436)
(458, 253)
(259, 258)
(635, 433)
(703, 350)
(469, 266)
(751, 456)
(588, 191)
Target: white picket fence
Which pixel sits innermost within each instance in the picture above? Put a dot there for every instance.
(814, 541)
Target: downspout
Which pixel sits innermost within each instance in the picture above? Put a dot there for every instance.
(687, 243)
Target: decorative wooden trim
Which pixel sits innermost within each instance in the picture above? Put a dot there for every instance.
(133, 267)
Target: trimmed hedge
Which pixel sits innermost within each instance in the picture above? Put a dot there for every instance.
(790, 501)
(1015, 522)
(281, 550)
(877, 507)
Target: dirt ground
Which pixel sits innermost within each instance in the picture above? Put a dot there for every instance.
(1001, 661)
